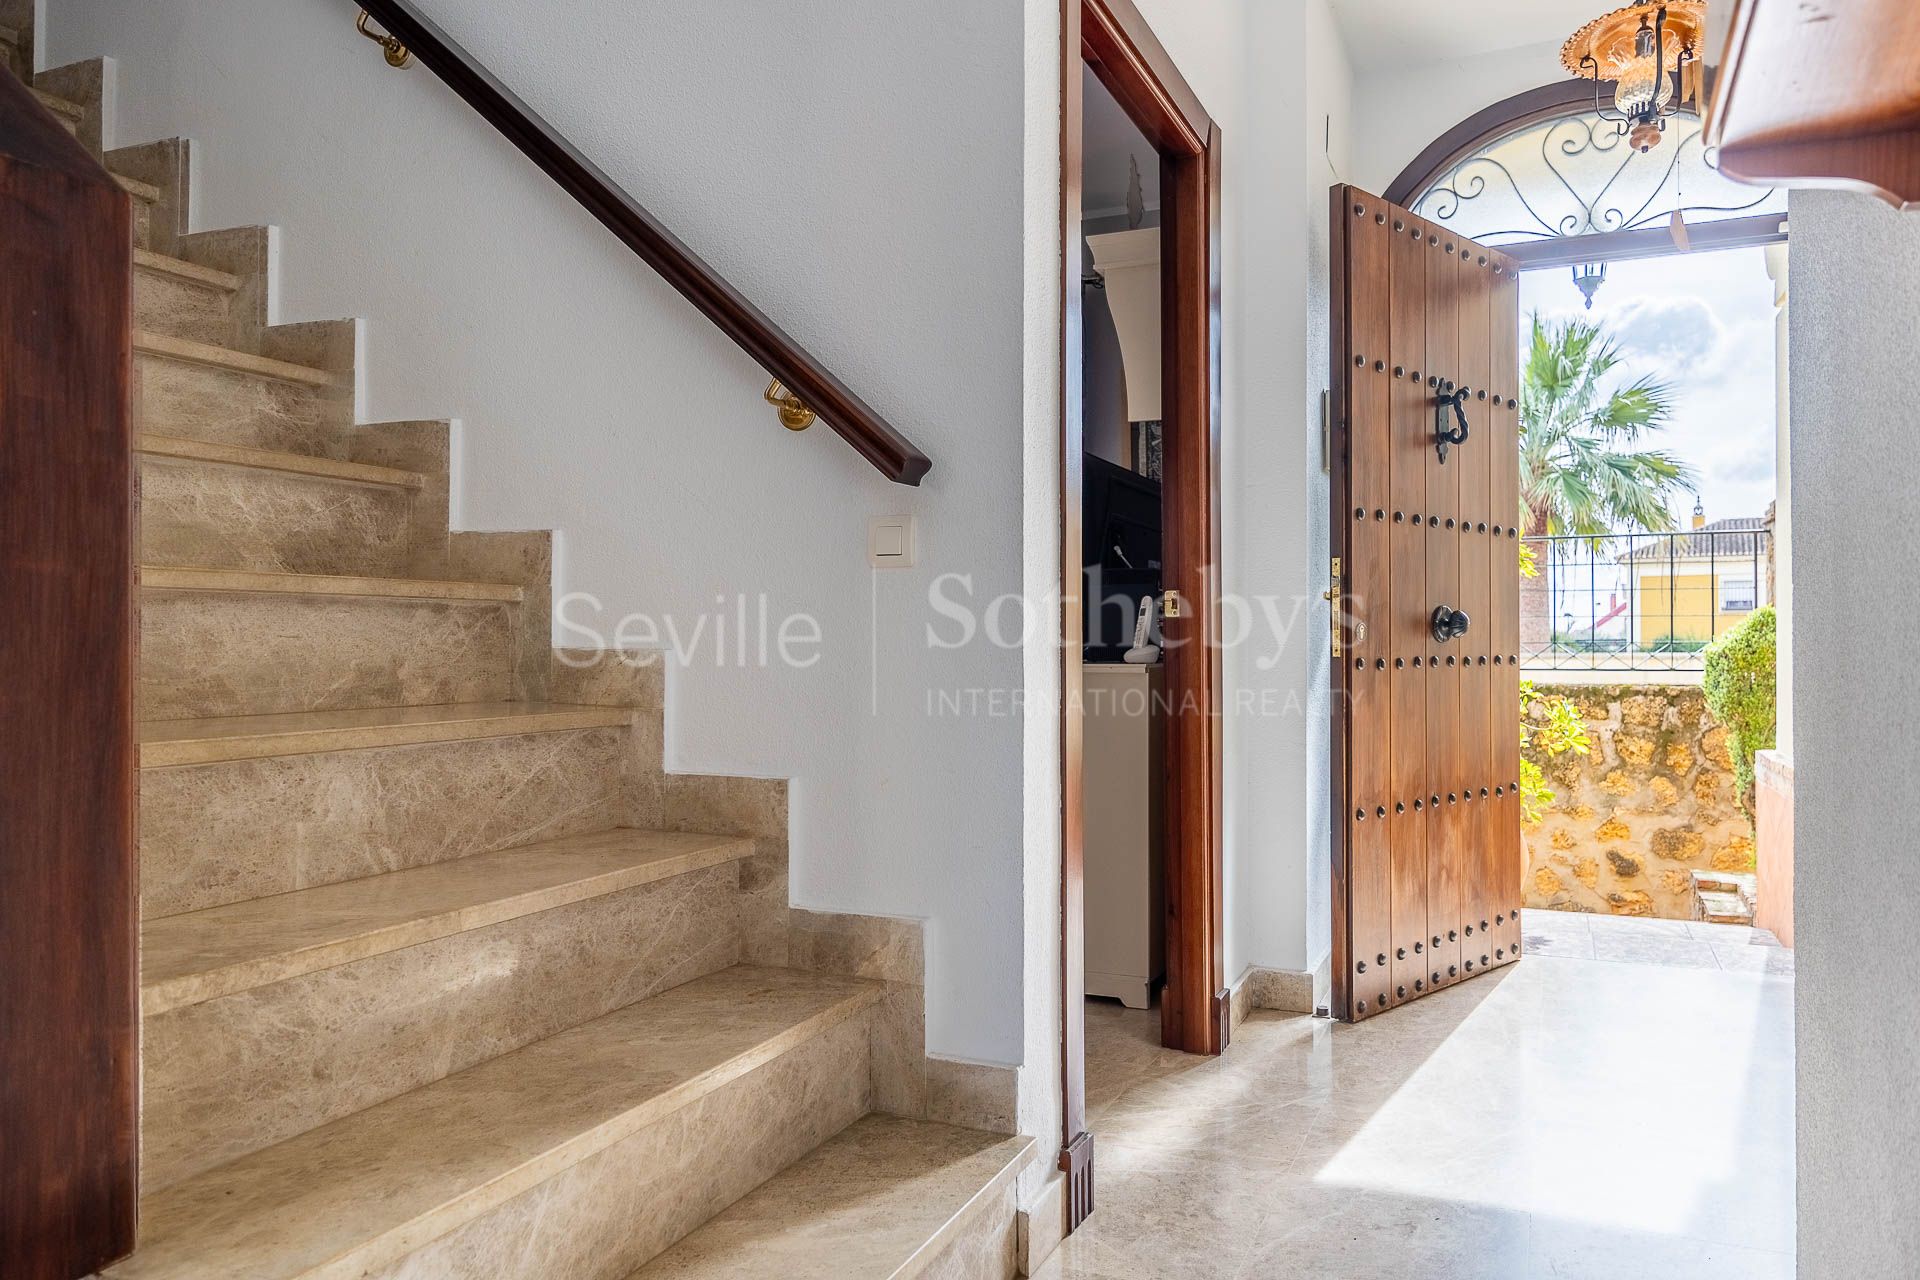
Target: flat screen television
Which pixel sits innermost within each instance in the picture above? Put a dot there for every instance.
(1120, 548)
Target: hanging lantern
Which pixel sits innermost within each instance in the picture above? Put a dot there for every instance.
(1588, 277)
(1651, 52)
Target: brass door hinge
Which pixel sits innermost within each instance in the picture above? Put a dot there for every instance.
(1170, 604)
(1332, 595)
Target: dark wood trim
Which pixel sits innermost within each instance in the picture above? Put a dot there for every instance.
(1112, 38)
(1136, 68)
(1854, 124)
(1339, 448)
(1562, 97)
(1076, 1161)
(69, 1001)
(1649, 242)
(1190, 504)
(857, 422)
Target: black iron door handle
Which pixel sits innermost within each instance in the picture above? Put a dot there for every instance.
(1443, 435)
(1449, 623)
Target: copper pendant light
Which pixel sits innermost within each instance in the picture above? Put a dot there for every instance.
(1651, 52)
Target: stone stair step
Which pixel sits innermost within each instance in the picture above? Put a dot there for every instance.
(224, 642)
(182, 299)
(885, 1199)
(231, 507)
(171, 743)
(143, 192)
(301, 464)
(217, 952)
(1724, 897)
(254, 582)
(1721, 908)
(156, 217)
(220, 833)
(211, 279)
(83, 89)
(1726, 881)
(70, 113)
(205, 391)
(399, 980)
(644, 1107)
(146, 198)
(187, 351)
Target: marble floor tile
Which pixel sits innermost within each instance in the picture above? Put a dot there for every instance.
(1573, 1252)
(1743, 934)
(1511, 1126)
(1556, 933)
(1753, 958)
(1654, 948)
(1573, 948)
(1638, 926)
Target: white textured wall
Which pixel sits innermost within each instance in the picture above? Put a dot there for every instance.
(1269, 74)
(1040, 1104)
(1778, 269)
(1855, 311)
(1397, 111)
(857, 170)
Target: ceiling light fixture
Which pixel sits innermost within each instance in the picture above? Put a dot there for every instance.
(1631, 47)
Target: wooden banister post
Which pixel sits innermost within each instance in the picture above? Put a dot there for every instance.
(69, 1005)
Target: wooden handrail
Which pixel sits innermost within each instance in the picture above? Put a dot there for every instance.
(872, 436)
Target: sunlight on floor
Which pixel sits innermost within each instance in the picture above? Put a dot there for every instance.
(1622, 1107)
(1618, 1104)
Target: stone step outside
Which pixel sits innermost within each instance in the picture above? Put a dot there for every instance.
(1725, 897)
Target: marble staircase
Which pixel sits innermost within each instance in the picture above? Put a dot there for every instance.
(442, 974)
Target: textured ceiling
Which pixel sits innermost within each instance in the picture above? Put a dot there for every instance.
(1381, 34)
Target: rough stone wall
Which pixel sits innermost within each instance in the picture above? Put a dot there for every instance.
(1652, 801)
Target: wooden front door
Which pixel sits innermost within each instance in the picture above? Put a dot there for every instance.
(1426, 616)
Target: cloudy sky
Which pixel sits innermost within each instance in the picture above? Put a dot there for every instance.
(1705, 323)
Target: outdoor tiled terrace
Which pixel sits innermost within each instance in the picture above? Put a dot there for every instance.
(1687, 944)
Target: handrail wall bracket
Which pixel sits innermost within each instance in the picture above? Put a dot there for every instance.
(397, 55)
(794, 414)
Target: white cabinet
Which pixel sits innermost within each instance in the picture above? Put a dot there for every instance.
(1124, 754)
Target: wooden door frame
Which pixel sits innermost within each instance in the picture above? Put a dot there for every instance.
(1112, 38)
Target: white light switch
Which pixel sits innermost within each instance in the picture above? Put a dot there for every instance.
(890, 542)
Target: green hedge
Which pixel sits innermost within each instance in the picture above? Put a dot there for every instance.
(1741, 692)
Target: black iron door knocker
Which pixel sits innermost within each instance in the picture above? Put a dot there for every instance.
(1443, 435)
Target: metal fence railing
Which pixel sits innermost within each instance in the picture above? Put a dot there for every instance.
(1641, 601)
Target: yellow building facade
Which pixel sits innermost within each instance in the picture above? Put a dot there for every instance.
(1700, 588)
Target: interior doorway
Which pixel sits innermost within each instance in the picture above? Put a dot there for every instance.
(1123, 702)
(1140, 522)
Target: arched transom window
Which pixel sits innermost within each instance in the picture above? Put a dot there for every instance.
(1544, 184)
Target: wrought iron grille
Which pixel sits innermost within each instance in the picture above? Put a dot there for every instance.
(1579, 175)
(1641, 601)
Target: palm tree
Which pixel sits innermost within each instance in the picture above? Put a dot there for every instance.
(1576, 476)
